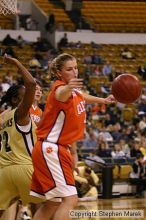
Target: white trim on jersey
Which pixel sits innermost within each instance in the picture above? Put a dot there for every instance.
(78, 90)
(57, 128)
(34, 107)
(29, 142)
(25, 128)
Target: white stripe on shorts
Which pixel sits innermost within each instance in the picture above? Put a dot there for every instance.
(53, 163)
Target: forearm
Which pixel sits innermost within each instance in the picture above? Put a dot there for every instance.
(27, 77)
(63, 93)
(93, 99)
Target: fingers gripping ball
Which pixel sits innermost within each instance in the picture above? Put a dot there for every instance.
(126, 88)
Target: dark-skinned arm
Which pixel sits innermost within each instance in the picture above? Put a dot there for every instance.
(22, 113)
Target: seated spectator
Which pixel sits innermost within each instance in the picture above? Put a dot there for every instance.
(135, 149)
(94, 45)
(107, 69)
(138, 175)
(5, 84)
(142, 105)
(96, 59)
(42, 45)
(20, 41)
(143, 148)
(43, 60)
(78, 44)
(104, 89)
(86, 183)
(108, 120)
(142, 72)
(128, 133)
(143, 95)
(97, 71)
(104, 150)
(127, 54)
(94, 110)
(34, 63)
(87, 59)
(9, 41)
(88, 69)
(117, 152)
(10, 78)
(125, 147)
(63, 41)
(106, 134)
(31, 24)
(90, 142)
(142, 123)
(116, 132)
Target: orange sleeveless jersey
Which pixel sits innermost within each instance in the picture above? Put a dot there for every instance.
(35, 113)
(63, 122)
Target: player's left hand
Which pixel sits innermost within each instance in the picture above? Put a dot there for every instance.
(110, 99)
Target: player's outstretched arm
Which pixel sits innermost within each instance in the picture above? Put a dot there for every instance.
(94, 99)
(30, 86)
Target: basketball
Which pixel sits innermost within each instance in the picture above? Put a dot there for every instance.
(126, 88)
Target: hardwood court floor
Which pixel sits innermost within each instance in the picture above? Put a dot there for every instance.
(122, 203)
(128, 203)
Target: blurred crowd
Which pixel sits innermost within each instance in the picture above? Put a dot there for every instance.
(115, 130)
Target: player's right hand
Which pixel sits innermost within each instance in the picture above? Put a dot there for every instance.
(75, 83)
(9, 59)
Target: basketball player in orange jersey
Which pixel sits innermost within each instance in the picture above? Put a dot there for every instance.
(63, 123)
(35, 111)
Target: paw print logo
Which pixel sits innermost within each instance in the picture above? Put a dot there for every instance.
(49, 150)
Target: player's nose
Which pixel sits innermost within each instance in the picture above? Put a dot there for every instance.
(75, 72)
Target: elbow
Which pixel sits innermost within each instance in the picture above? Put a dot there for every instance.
(32, 84)
(61, 98)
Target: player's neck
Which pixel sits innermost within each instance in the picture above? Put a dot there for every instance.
(34, 104)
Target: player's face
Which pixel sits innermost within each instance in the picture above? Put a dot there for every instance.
(38, 93)
(69, 70)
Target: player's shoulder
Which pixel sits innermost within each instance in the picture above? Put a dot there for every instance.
(57, 83)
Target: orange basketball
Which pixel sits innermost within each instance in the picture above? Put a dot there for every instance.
(126, 88)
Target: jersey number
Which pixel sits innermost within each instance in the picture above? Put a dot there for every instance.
(81, 107)
(4, 142)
